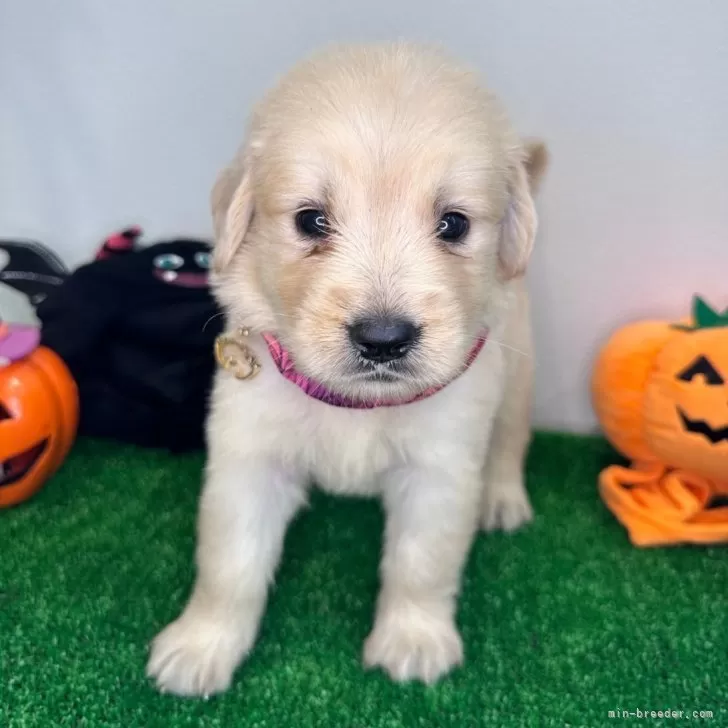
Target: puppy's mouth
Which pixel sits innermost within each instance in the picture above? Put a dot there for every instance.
(397, 370)
(391, 380)
(381, 374)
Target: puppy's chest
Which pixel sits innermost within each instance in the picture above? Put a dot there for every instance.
(351, 452)
(356, 451)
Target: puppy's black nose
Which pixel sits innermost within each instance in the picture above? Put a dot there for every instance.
(383, 339)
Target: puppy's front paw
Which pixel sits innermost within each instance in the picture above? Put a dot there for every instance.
(409, 644)
(196, 657)
(506, 507)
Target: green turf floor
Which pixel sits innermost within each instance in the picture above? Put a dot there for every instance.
(562, 622)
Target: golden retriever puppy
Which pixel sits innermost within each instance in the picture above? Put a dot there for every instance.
(371, 237)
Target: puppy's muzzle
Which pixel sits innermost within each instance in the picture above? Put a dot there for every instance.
(383, 340)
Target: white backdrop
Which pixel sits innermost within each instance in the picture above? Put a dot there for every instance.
(121, 112)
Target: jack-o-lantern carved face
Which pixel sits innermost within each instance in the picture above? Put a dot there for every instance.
(661, 393)
(686, 402)
(702, 367)
(38, 416)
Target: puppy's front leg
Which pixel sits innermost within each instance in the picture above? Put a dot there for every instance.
(431, 518)
(244, 511)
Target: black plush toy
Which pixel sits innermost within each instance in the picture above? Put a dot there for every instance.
(137, 328)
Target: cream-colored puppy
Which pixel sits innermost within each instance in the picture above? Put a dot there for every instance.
(371, 235)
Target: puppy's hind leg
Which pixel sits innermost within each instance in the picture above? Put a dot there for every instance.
(506, 505)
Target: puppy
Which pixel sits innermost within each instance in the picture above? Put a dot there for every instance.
(371, 237)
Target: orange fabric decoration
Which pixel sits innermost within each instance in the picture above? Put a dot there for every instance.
(660, 391)
(38, 420)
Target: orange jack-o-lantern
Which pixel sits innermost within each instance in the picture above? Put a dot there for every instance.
(661, 395)
(38, 413)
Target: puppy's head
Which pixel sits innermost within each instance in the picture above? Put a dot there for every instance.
(373, 217)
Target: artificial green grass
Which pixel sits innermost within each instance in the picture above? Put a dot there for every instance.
(561, 622)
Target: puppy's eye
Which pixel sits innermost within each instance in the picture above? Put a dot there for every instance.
(312, 223)
(168, 261)
(452, 227)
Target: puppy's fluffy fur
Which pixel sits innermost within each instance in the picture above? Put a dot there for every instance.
(385, 140)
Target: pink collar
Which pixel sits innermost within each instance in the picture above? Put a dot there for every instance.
(313, 389)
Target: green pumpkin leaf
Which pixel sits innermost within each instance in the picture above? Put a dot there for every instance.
(703, 315)
(706, 317)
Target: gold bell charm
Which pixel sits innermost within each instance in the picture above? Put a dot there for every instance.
(235, 356)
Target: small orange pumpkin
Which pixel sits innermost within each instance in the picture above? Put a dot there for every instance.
(38, 413)
(660, 392)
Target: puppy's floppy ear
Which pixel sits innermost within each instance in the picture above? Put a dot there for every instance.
(519, 224)
(232, 211)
